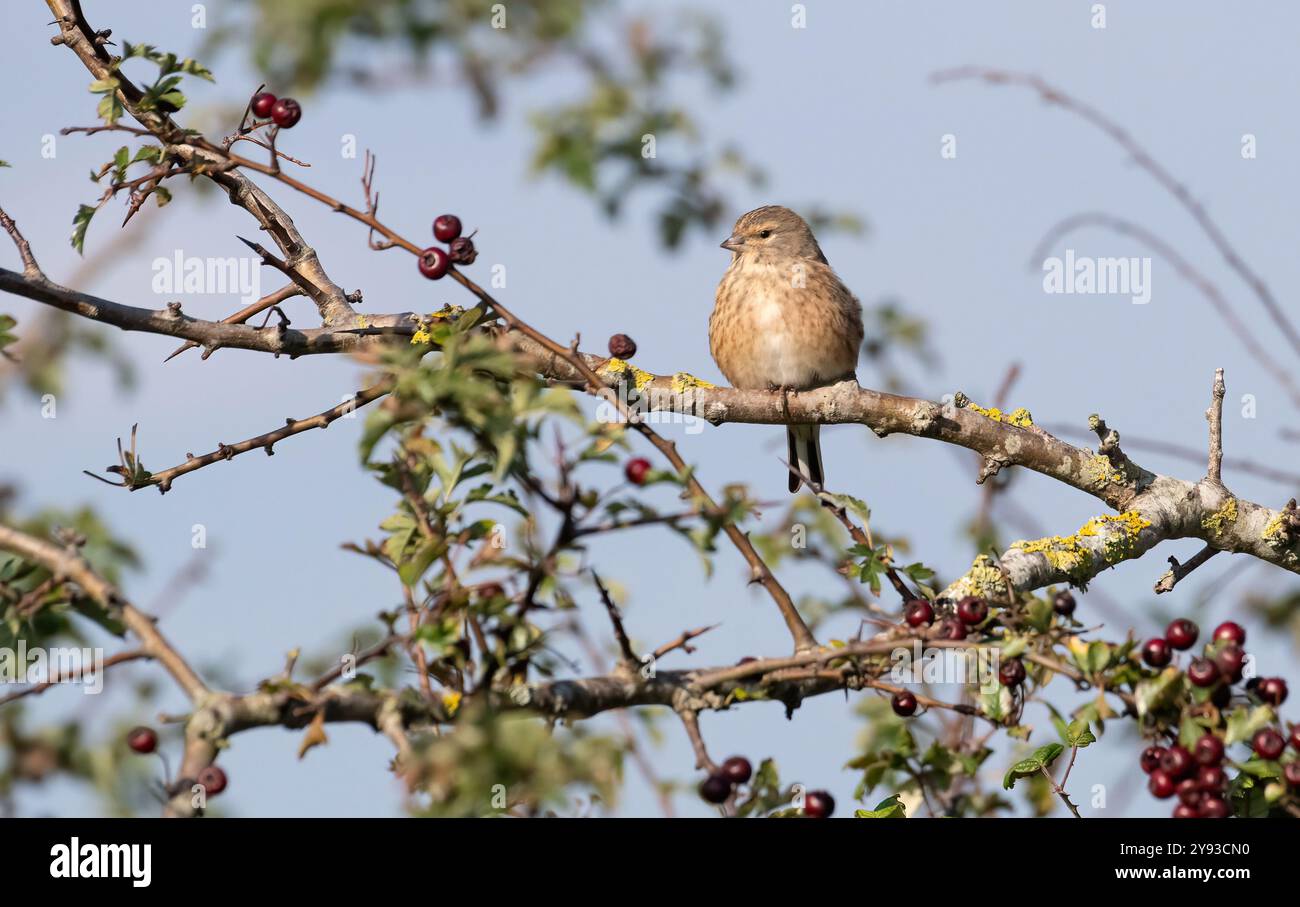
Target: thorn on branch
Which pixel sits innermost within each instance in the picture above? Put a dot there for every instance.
(1214, 414)
(1174, 575)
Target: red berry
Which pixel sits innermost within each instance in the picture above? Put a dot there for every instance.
(818, 804)
(1232, 632)
(1151, 758)
(715, 788)
(1183, 811)
(142, 739)
(1213, 807)
(1268, 743)
(1177, 762)
(972, 610)
(1156, 653)
(1012, 672)
(1208, 749)
(1202, 672)
(737, 770)
(1291, 772)
(1295, 736)
(446, 227)
(286, 113)
(636, 470)
(434, 263)
(1182, 633)
(1161, 784)
(1063, 603)
(1188, 792)
(951, 628)
(1272, 690)
(1231, 661)
(262, 104)
(918, 613)
(1211, 778)
(463, 251)
(621, 346)
(213, 780)
(746, 660)
(904, 704)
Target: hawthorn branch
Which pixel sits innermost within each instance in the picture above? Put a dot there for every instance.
(70, 565)
(1176, 572)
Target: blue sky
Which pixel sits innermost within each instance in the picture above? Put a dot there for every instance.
(841, 112)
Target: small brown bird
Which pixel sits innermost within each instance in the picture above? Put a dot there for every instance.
(783, 320)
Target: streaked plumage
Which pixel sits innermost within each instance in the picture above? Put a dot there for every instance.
(782, 319)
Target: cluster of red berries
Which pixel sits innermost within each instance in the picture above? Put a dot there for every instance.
(971, 611)
(434, 261)
(718, 787)
(284, 112)
(144, 740)
(1219, 667)
(1197, 777)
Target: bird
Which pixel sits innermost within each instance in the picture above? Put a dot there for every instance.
(782, 320)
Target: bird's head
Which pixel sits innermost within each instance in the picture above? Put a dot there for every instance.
(773, 231)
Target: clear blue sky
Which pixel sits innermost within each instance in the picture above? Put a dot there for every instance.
(841, 112)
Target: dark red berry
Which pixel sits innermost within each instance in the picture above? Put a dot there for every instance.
(213, 780)
(918, 613)
(737, 770)
(1232, 632)
(463, 251)
(746, 660)
(1272, 690)
(434, 263)
(1177, 762)
(1213, 807)
(1268, 743)
(1151, 757)
(1161, 784)
(1183, 811)
(286, 113)
(1156, 653)
(1211, 778)
(904, 704)
(1063, 603)
(1295, 736)
(1231, 661)
(1188, 792)
(1208, 749)
(621, 346)
(715, 788)
(446, 227)
(1182, 633)
(1202, 672)
(972, 610)
(636, 470)
(1291, 772)
(263, 102)
(142, 739)
(818, 804)
(951, 628)
(1012, 672)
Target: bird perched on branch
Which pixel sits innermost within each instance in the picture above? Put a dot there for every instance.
(783, 321)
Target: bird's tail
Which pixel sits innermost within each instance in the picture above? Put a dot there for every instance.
(805, 454)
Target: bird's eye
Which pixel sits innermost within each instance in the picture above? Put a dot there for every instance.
(764, 234)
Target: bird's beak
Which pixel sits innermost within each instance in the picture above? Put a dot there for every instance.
(733, 243)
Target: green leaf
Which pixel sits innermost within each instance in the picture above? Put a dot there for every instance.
(889, 808)
(79, 224)
(1079, 734)
(7, 324)
(1243, 723)
(1048, 753)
